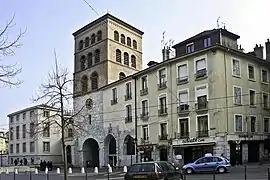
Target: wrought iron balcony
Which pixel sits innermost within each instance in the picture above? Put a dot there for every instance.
(203, 133)
(162, 85)
(144, 91)
(183, 109)
(201, 73)
(182, 135)
(144, 116)
(201, 106)
(162, 112)
(182, 80)
(163, 137)
(145, 140)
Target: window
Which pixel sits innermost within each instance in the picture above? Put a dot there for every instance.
(11, 148)
(252, 123)
(129, 41)
(24, 147)
(202, 126)
(190, 48)
(90, 60)
(133, 61)
(118, 56)
(251, 72)
(32, 114)
(163, 131)
(182, 73)
(237, 91)
(81, 45)
(129, 112)
(46, 146)
(252, 97)
(82, 61)
(201, 68)
(24, 131)
(265, 78)
(128, 91)
(144, 107)
(17, 132)
(162, 105)
(11, 120)
(93, 38)
(17, 117)
(265, 100)
(11, 133)
(134, 44)
(99, 36)
(46, 129)
(238, 123)
(183, 97)
(46, 113)
(201, 97)
(145, 132)
(32, 129)
(162, 78)
(86, 41)
(84, 83)
(126, 58)
(207, 42)
(144, 82)
(70, 132)
(97, 56)
(90, 119)
(266, 124)
(123, 39)
(183, 128)
(122, 75)
(236, 68)
(24, 116)
(114, 96)
(116, 36)
(17, 148)
(32, 147)
(94, 81)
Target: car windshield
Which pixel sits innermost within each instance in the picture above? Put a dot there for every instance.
(142, 168)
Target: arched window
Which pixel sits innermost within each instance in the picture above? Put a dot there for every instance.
(122, 75)
(123, 39)
(70, 132)
(81, 45)
(84, 82)
(86, 41)
(129, 41)
(129, 145)
(118, 55)
(116, 36)
(82, 62)
(133, 61)
(134, 44)
(90, 59)
(99, 36)
(94, 81)
(126, 59)
(93, 38)
(97, 56)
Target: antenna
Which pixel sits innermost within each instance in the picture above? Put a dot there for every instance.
(218, 22)
(163, 40)
(224, 25)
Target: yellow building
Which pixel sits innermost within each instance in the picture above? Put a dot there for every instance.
(3, 142)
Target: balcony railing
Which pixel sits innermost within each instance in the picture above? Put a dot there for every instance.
(203, 133)
(128, 97)
(182, 135)
(114, 101)
(163, 137)
(145, 140)
(144, 91)
(162, 112)
(128, 119)
(183, 109)
(201, 73)
(144, 116)
(201, 106)
(162, 85)
(182, 80)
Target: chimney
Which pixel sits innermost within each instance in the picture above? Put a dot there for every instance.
(152, 63)
(165, 53)
(267, 47)
(258, 50)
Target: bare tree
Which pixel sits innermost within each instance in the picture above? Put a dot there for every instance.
(8, 72)
(57, 94)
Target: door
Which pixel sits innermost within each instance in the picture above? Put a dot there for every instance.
(253, 152)
(163, 155)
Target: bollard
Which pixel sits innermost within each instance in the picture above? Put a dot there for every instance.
(58, 171)
(86, 175)
(7, 172)
(46, 170)
(96, 170)
(82, 170)
(70, 170)
(16, 171)
(47, 175)
(14, 176)
(30, 175)
(125, 169)
(108, 171)
(214, 174)
(245, 172)
(36, 171)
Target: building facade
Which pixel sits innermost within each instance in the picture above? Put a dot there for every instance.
(33, 136)
(212, 97)
(3, 143)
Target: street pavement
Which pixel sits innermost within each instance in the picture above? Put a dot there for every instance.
(254, 172)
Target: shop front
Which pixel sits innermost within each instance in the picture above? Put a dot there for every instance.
(145, 152)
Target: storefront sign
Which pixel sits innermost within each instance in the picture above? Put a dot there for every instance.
(245, 136)
(190, 140)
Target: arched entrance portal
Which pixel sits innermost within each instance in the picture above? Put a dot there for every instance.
(91, 153)
(110, 150)
(68, 151)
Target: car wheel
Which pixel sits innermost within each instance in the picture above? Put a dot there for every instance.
(221, 170)
(189, 171)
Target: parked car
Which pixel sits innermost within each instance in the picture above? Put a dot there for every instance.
(210, 163)
(154, 170)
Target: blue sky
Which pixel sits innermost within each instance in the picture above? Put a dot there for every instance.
(50, 25)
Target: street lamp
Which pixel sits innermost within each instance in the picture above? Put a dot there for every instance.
(238, 148)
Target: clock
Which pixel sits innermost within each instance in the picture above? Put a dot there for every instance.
(89, 103)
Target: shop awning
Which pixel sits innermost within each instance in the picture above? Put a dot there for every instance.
(195, 144)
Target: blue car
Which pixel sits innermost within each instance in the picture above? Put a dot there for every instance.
(207, 164)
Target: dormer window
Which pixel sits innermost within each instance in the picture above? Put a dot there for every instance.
(207, 42)
(190, 48)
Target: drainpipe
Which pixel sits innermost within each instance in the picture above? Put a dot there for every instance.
(136, 118)
(172, 105)
(226, 101)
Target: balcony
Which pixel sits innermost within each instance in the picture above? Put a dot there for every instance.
(183, 109)
(163, 137)
(144, 116)
(114, 101)
(182, 80)
(144, 91)
(202, 133)
(128, 97)
(162, 85)
(145, 140)
(181, 135)
(162, 112)
(201, 106)
(200, 74)
(128, 119)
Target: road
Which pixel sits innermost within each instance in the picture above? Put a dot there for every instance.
(255, 172)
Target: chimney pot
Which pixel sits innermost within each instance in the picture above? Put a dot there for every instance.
(258, 50)
(268, 40)
(256, 45)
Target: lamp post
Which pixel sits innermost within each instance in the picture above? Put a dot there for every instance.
(238, 148)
